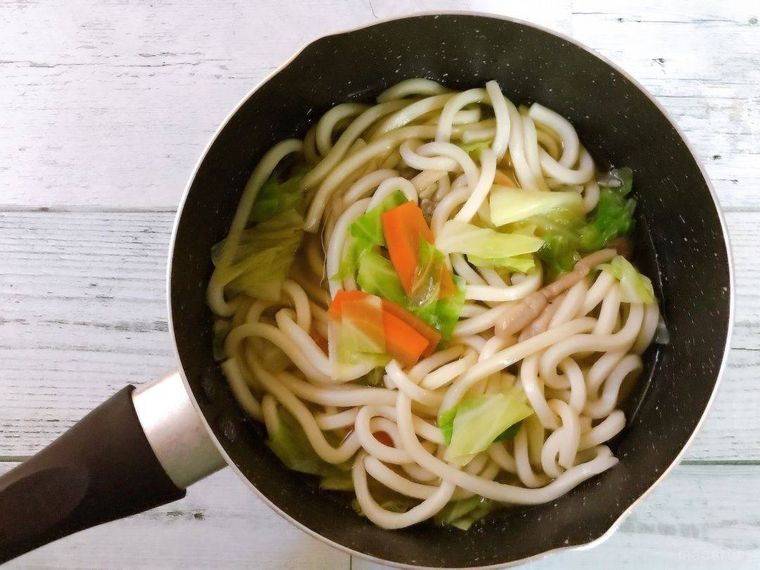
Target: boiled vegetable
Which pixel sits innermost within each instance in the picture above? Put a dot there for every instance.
(404, 227)
(263, 256)
(373, 326)
(509, 205)
(369, 226)
(518, 263)
(403, 343)
(290, 444)
(362, 331)
(464, 513)
(431, 334)
(443, 314)
(613, 215)
(634, 287)
(377, 276)
(477, 421)
(275, 197)
(461, 237)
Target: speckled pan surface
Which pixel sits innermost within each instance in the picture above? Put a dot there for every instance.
(680, 241)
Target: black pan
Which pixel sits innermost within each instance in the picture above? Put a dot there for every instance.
(138, 451)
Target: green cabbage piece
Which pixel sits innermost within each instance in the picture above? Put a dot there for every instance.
(634, 287)
(263, 256)
(275, 197)
(338, 481)
(474, 148)
(566, 237)
(518, 263)
(464, 513)
(461, 237)
(477, 421)
(443, 314)
(355, 248)
(510, 432)
(613, 215)
(377, 276)
(369, 225)
(365, 233)
(397, 504)
(290, 444)
(560, 250)
(509, 205)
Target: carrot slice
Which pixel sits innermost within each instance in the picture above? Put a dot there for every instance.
(504, 179)
(448, 287)
(383, 438)
(341, 297)
(403, 227)
(431, 334)
(320, 340)
(363, 325)
(402, 342)
(402, 335)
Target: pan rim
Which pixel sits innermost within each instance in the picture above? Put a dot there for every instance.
(724, 231)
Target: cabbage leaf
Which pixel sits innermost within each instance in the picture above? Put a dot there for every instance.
(477, 421)
(461, 237)
(634, 287)
(263, 256)
(509, 205)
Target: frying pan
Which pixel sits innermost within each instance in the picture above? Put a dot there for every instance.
(143, 447)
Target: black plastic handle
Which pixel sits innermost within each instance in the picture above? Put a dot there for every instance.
(100, 470)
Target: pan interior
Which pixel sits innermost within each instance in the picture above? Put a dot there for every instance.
(679, 241)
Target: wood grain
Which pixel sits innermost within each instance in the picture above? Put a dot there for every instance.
(83, 297)
(700, 517)
(105, 108)
(702, 61)
(219, 524)
(114, 112)
(685, 523)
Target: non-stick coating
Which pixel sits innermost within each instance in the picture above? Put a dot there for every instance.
(681, 243)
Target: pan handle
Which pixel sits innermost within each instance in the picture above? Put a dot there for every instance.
(138, 450)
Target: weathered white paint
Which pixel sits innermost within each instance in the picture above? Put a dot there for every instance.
(84, 312)
(219, 524)
(104, 110)
(702, 517)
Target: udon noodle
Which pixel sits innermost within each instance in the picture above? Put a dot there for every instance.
(523, 355)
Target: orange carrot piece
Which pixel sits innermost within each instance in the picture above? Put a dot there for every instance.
(320, 340)
(403, 227)
(402, 342)
(504, 179)
(448, 287)
(431, 334)
(366, 315)
(383, 438)
(336, 307)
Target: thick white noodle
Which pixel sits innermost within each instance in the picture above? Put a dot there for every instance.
(574, 362)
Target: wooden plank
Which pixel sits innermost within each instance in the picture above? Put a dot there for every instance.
(115, 111)
(83, 313)
(219, 524)
(702, 60)
(700, 517)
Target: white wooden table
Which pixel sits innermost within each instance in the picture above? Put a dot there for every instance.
(104, 110)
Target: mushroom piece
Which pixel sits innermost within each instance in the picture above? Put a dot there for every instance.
(526, 311)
